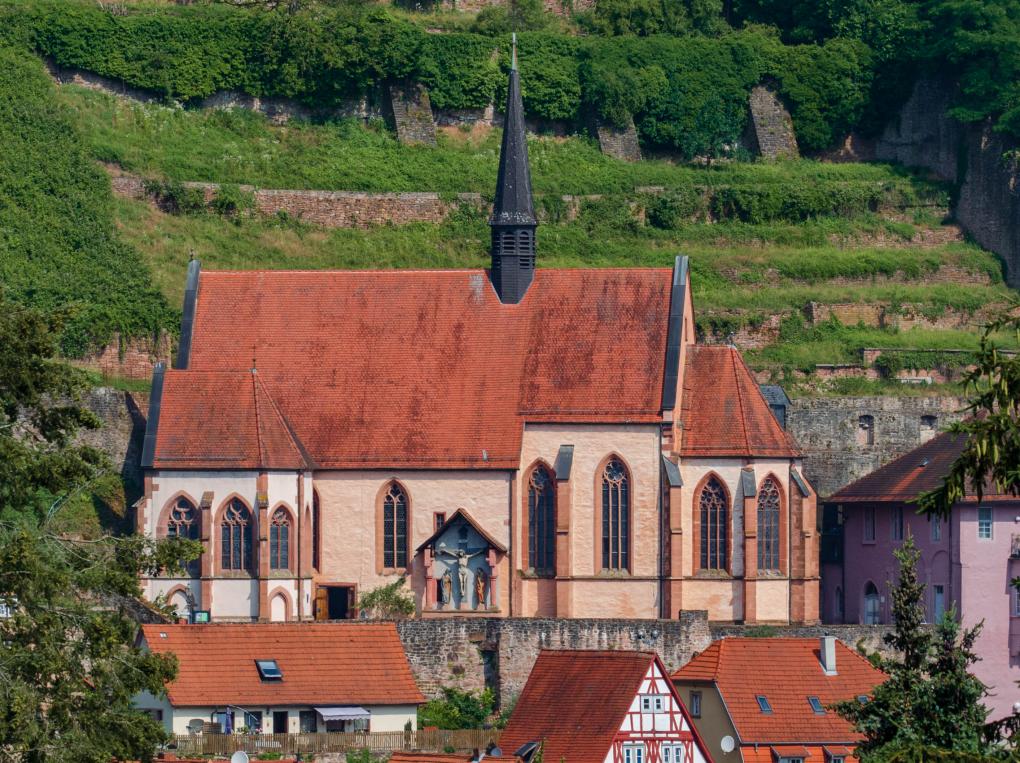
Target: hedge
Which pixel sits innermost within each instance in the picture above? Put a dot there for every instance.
(687, 94)
(58, 248)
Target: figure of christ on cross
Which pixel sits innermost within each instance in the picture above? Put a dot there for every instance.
(463, 557)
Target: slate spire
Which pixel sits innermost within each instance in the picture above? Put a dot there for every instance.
(513, 219)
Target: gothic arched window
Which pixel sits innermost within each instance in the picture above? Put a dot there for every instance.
(236, 531)
(768, 525)
(714, 515)
(394, 510)
(542, 522)
(183, 522)
(615, 516)
(279, 540)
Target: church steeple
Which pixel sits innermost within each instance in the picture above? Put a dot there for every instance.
(513, 219)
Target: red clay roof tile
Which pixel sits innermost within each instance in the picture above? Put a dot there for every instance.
(786, 671)
(412, 368)
(334, 663)
(724, 412)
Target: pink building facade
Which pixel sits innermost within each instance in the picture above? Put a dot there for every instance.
(967, 561)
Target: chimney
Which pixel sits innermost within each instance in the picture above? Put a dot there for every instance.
(513, 220)
(828, 655)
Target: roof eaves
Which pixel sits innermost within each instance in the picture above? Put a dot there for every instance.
(672, 472)
(801, 483)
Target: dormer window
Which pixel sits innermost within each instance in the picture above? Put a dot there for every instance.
(269, 670)
(816, 705)
(763, 704)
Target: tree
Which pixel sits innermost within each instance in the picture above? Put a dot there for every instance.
(930, 699)
(40, 466)
(991, 432)
(458, 709)
(388, 602)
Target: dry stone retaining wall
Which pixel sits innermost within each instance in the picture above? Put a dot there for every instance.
(619, 142)
(129, 358)
(771, 125)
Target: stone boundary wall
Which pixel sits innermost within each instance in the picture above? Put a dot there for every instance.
(129, 358)
(770, 125)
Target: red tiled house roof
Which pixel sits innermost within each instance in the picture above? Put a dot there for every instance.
(403, 756)
(724, 413)
(428, 369)
(917, 471)
(786, 671)
(574, 703)
(334, 663)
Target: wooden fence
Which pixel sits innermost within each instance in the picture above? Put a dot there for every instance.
(461, 740)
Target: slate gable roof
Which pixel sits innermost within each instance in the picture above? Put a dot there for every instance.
(322, 663)
(786, 671)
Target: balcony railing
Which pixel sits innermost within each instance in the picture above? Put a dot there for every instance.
(225, 745)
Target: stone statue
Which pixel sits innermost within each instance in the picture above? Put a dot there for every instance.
(481, 579)
(462, 557)
(446, 589)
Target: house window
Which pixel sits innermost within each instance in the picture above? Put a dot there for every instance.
(866, 430)
(837, 605)
(541, 521)
(1016, 603)
(695, 707)
(615, 516)
(308, 721)
(712, 505)
(633, 753)
(316, 529)
(236, 533)
(183, 522)
(816, 705)
(439, 520)
(984, 522)
(928, 427)
(279, 540)
(672, 753)
(936, 529)
(651, 703)
(872, 604)
(763, 704)
(253, 720)
(791, 760)
(869, 524)
(897, 523)
(269, 670)
(768, 525)
(395, 527)
(939, 602)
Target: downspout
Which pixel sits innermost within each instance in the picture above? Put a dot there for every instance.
(789, 541)
(512, 546)
(301, 543)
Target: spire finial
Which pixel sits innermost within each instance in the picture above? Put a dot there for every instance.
(513, 46)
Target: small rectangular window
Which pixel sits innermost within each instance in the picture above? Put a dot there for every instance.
(763, 704)
(269, 670)
(936, 529)
(695, 704)
(985, 522)
(816, 705)
(869, 524)
(633, 753)
(897, 523)
(440, 519)
(308, 721)
(1016, 603)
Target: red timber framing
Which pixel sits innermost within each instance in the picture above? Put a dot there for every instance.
(654, 728)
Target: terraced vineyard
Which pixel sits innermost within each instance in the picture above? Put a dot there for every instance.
(801, 263)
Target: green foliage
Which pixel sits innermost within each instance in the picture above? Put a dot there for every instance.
(458, 709)
(389, 601)
(929, 698)
(674, 208)
(649, 17)
(70, 667)
(363, 755)
(230, 201)
(57, 242)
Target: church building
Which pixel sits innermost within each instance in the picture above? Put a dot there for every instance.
(515, 441)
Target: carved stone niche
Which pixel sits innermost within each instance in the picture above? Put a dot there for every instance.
(461, 563)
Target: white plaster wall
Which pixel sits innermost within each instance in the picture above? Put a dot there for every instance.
(772, 598)
(277, 606)
(618, 597)
(176, 720)
(639, 447)
(145, 700)
(392, 717)
(235, 599)
(348, 499)
(160, 586)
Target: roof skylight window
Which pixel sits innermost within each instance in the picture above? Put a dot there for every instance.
(816, 705)
(763, 704)
(269, 670)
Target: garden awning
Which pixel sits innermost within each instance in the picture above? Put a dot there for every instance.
(345, 713)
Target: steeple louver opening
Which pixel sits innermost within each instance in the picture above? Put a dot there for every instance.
(513, 220)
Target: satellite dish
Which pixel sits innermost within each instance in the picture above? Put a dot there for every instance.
(239, 757)
(195, 726)
(726, 743)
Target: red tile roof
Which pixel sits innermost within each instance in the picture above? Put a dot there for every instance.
(574, 702)
(724, 412)
(403, 756)
(786, 671)
(411, 368)
(920, 470)
(322, 663)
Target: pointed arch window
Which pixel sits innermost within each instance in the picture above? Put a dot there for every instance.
(714, 515)
(183, 522)
(542, 521)
(615, 516)
(236, 531)
(768, 525)
(316, 531)
(279, 540)
(394, 527)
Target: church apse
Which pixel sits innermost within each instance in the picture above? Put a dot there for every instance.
(461, 563)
